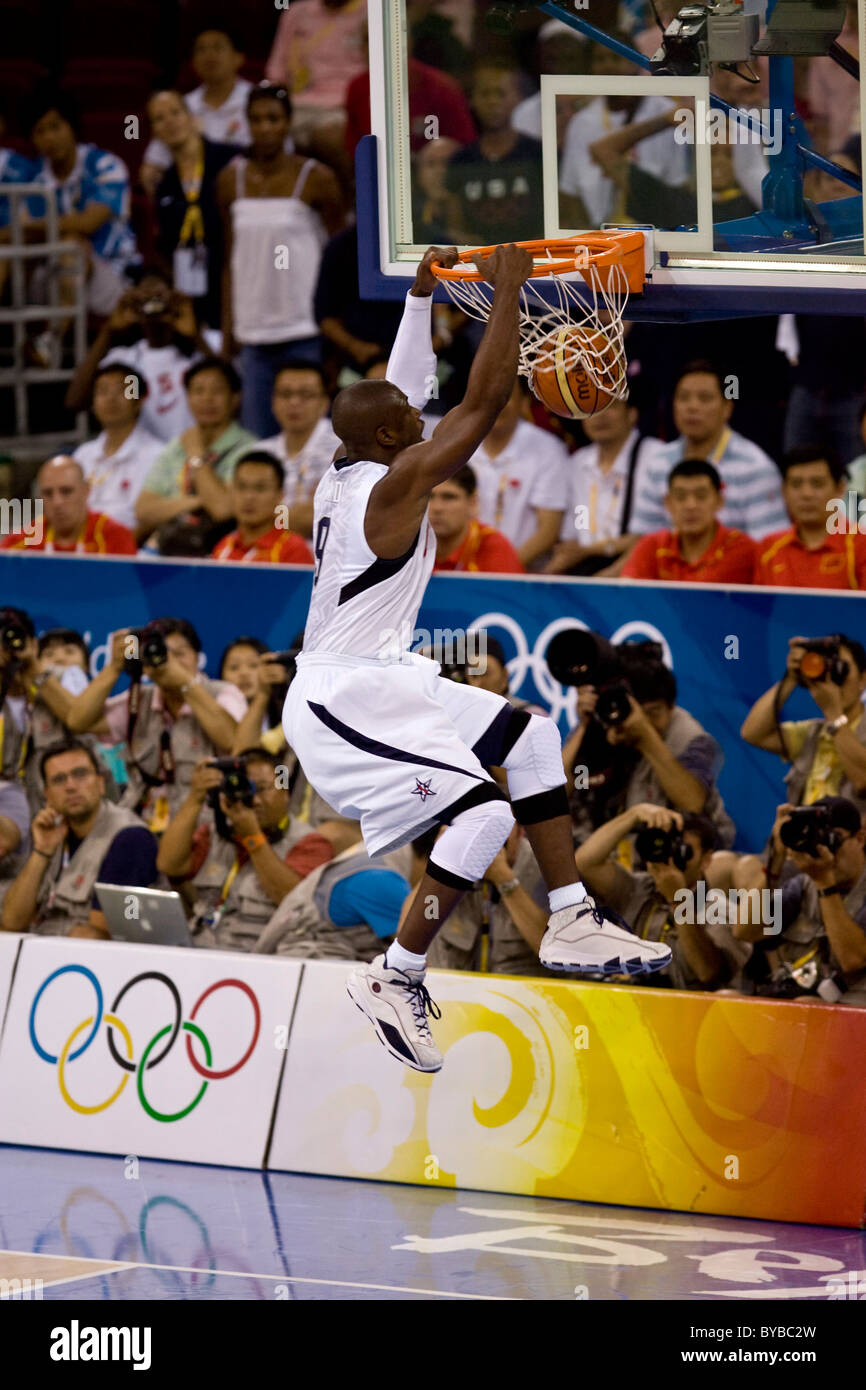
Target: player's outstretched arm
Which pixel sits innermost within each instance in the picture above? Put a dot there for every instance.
(412, 364)
(398, 500)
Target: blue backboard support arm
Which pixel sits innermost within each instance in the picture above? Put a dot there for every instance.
(783, 187)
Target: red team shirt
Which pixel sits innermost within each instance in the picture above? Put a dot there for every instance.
(99, 536)
(483, 550)
(275, 547)
(728, 559)
(840, 563)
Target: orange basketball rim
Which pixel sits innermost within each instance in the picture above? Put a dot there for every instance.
(593, 255)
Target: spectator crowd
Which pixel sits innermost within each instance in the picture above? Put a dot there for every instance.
(219, 254)
(183, 781)
(219, 250)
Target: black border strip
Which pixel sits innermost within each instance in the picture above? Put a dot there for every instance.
(11, 987)
(279, 1089)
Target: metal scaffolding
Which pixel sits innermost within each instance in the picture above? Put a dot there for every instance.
(59, 256)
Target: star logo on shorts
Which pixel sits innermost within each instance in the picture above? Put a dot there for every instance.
(423, 789)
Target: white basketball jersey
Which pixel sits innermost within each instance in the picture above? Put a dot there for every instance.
(361, 605)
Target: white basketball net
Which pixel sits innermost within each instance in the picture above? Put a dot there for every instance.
(596, 308)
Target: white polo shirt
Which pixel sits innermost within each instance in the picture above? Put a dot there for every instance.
(532, 471)
(600, 494)
(304, 469)
(117, 479)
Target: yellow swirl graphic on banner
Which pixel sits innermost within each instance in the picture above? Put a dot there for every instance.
(511, 1107)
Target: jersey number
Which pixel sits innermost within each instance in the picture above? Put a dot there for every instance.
(319, 547)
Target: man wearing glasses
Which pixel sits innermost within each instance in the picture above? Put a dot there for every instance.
(78, 838)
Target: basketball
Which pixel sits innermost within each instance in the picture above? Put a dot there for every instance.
(560, 378)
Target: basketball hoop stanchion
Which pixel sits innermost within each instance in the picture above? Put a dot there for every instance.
(571, 350)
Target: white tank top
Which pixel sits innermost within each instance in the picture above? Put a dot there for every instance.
(361, 606)
(272, 301)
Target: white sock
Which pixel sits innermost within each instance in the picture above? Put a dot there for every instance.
(569, 896)
(396, 958)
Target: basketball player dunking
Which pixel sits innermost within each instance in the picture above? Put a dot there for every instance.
(380, 734)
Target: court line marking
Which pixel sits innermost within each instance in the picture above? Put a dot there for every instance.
(278, 1278)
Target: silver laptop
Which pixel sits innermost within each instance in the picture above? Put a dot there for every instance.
(144, 914)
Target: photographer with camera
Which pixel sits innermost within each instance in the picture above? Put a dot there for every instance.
(167, 725)
(79, 839)
(153, 329)
(827, 755)
(17, 654)
(820, 952)
(677, 850)
(36, 689)
(240, 874)
(264, 677)
(633, 742)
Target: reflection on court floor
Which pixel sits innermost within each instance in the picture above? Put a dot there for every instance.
(78, 1227)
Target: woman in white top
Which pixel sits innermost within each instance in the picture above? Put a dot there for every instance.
(278, 209)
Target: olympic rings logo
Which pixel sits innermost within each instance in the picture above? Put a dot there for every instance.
(113, 1022)
(560, 700)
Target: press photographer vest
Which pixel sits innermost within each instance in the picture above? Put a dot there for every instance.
(804, 945)
(247, 907)
(187, 744)
(46, 729)
(301, 927)
(644, 784)
(798, 774)
(66, 890)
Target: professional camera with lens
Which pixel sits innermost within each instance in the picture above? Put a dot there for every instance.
(13, 633)
(821, 661)
(444, 653)
(288, 659)
(236, 784)
(580, 658)
(152, 649)
(808, 828)
(154, 307)
(655, 846)
(705, 34)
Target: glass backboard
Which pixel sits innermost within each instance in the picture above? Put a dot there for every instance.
(499, 121)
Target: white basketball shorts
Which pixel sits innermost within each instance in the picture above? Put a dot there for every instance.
(390, 744)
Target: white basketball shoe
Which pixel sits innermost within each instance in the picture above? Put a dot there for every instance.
(397, 1004)
(586, 940)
